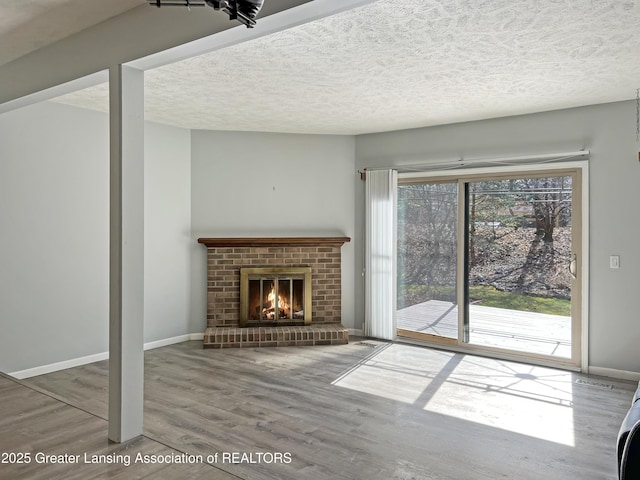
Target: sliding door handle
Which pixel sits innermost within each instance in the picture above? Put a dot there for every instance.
(573, 266)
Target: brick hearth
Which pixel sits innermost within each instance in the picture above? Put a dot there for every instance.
(250, 337)
(225, 257)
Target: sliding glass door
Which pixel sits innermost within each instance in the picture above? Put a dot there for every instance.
(428, 260)
(489, 263)
(519, 236)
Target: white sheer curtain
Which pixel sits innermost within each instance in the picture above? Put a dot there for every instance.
(380, 258)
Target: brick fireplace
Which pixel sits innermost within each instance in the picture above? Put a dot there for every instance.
(228, 257)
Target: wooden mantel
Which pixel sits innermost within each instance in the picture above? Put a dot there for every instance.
(273, 241)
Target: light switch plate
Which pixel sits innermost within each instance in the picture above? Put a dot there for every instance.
(614, 261)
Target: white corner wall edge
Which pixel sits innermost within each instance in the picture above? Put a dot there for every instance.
(53, 92)
(356, 332)
(614, 373)
(98, 357)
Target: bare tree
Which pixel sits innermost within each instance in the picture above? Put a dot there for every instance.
(551, 201)
(427, 239)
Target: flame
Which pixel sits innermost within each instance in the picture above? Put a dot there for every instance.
(282, 304)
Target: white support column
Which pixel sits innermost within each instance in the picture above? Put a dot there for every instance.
(126, 265)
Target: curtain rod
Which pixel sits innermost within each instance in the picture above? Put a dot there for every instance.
(461, 162)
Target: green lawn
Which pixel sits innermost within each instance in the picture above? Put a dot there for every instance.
(491, 297)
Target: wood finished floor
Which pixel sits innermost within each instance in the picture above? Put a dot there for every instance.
(366, 410)
(35, 423)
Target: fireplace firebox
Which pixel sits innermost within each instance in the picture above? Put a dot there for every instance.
(275, 296)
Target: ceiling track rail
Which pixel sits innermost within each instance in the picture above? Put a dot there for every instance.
(487, 162)
(230, 7)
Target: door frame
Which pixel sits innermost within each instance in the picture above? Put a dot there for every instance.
(579, 360)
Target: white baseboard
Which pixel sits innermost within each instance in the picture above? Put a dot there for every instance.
(170, 341)
(98, 357)
(54, 367)
(613, 373)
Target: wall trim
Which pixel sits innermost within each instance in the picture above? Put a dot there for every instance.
(614, 373)
(98, 357)
(54, 367)
(173, 340)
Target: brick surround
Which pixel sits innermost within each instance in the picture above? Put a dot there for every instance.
(225, 257)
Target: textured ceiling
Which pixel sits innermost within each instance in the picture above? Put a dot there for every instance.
(397, 64)
(26, 25)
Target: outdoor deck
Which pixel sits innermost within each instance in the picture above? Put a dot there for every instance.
(489, 326)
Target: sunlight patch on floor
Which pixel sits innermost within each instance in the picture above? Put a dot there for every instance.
(532, 401)
(524, 399)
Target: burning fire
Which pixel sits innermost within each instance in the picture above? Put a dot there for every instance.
(269, 311)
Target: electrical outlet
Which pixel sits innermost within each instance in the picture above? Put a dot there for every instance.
(614, 261)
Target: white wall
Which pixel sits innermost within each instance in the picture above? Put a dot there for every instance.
(167, 232)
(54, 213)
(263, 184)
(54, 243)
(608, 131)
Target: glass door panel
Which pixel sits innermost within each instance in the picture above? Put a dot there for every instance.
(518, 252)
(427, 303)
